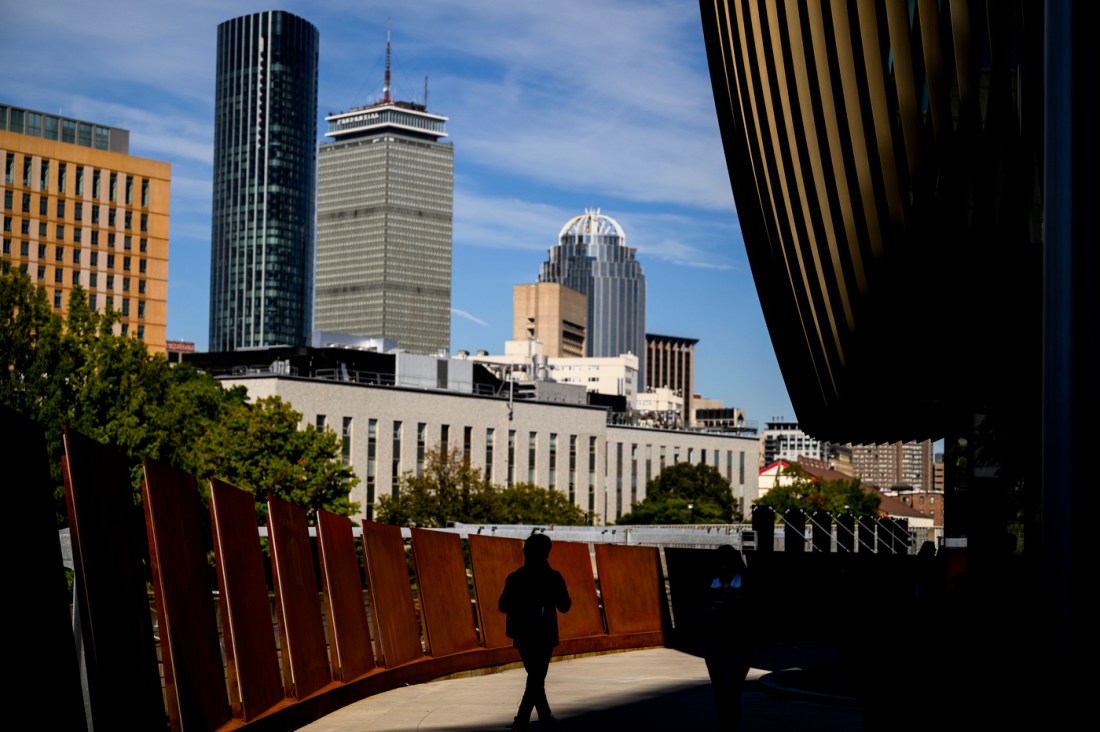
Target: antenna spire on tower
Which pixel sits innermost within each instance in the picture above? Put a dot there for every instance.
(386, 88)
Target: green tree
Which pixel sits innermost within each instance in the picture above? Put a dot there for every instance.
(809, 493)
(449, 489)
(526, 503)
(258, 447)
(685, 493)
(78, 372)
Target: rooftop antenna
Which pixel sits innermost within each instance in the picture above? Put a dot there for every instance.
(386, 88)
(425, 92)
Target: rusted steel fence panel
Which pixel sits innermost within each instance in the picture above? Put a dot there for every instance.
(632, 588)
(349, 630)
(574, 561)
(388, 586)
(491, 559)
(444, 592)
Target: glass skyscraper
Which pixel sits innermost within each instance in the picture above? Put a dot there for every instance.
(592, 257)
(265, 156)
(385, 194)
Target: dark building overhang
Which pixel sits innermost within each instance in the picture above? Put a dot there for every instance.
(886, 166)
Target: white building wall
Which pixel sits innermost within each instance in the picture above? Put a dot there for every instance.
(612, 492)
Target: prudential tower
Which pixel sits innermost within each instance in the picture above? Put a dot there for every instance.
(385, 189)
(592, 257)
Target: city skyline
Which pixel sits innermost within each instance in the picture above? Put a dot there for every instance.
(552, 109)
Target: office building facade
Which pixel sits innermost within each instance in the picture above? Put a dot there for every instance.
(670, 363)
(552, 314)
(592, 258)
(80, 210)
(384, 225)
(265, 143)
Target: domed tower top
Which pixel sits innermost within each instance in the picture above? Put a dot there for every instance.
(592, 223)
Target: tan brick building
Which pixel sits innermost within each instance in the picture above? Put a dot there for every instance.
(79, 209)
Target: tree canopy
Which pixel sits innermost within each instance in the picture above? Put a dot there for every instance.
(685, 493)
(803, 491)
(78, 372)
(449, 489)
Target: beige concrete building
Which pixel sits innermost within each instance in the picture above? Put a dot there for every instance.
(894, 464)
(79, 209)
(387, 426)
(553, 314)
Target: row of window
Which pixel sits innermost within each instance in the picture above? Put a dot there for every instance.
(78, 214)
(62, 179)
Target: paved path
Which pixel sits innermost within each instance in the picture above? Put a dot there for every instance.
(652, 689)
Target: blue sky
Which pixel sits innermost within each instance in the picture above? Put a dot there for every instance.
(554, 107)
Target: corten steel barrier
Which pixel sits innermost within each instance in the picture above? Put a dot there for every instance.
(298, 640)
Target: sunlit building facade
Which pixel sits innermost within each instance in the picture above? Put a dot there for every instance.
(384, 221)
(592, 257)
(78, 209)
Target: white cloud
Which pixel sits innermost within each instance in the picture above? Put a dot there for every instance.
(468, 316)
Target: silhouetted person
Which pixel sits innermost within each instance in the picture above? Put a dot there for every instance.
(728, 652)
(533, 595)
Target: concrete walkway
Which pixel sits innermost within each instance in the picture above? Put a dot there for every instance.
(652, 689)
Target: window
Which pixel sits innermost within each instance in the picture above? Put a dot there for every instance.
(372, 451)
(141, 287)
(145, 222)
(345, 441)
(126, 306)
(93, 281)
(110, 261)
(43, 206)
(444, 438)
(76, 277)
(112, 216)
(59, 254)
(112, 193)
(76, 256)
(145, 193)
(128, 220)
(126, 264)
(490, 435)
(80, 180)
(57, 299)
(78, 211)
(93, 299)
(572, 468)
(129, 190)
(421, 429)
(26, 203)
(60, 233)
(111, 282)
(95, 215)
(510, 477)
(532, 449)
(8, 200)
(467, 439)
(77, 234)
(9, 169)
(41, 272)
(127, 242)
(7, 223)
(125, 284)
(553, 460)
(591, 475)
(44, 177)
(141, 266)
(41, 251)
(110, 240)
(60, 208)
(25, 227)
(141, 332)
(7, 246)
(26, 171)
(95, 238)
(395, 473)
(42, 229)
(95, 184)
(62, 173)
(93, 259)
(143, 245)
(125, 329)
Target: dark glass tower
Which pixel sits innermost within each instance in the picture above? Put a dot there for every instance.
(265, 162)
(592, 257)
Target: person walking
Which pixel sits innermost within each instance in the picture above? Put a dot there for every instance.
(533, 596)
